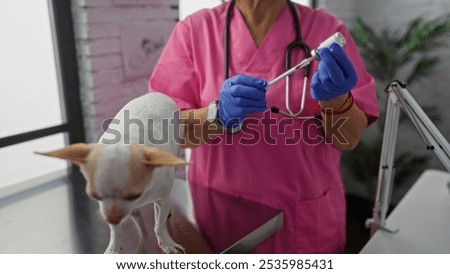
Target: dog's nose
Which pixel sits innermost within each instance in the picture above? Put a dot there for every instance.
(114, 216)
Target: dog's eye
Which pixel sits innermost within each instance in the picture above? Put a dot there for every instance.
(131, 197)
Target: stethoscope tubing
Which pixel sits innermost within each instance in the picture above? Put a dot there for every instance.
(297, 43)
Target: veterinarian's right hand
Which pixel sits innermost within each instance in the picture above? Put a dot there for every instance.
(241, 95)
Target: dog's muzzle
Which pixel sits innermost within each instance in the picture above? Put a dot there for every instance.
(114, 216)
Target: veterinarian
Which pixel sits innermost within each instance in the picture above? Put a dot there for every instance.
(216, 66)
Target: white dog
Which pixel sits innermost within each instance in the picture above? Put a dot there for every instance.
(133, 165)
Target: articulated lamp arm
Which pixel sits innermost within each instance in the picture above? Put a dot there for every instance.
(399, 97)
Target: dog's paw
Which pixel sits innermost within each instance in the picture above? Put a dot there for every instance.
(173, 248)
(114, 250)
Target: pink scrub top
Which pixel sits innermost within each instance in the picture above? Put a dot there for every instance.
(274, 160)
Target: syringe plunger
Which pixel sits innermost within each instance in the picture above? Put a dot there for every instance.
(337, 38)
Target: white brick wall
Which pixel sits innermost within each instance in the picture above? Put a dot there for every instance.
(98, 24)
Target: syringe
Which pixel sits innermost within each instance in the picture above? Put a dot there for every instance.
(337, 38)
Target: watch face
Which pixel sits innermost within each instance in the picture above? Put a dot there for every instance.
(212, 112)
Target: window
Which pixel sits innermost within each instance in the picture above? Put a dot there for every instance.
(34, 88)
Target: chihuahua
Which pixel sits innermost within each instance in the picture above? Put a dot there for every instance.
(133, 164)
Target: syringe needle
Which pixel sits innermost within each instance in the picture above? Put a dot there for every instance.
(302, 64)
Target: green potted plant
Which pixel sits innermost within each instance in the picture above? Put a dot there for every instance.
(388, 55)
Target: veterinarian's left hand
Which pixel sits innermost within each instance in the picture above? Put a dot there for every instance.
(334, 76)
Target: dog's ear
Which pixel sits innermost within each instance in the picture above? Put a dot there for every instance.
(157, 157)
(76, 153)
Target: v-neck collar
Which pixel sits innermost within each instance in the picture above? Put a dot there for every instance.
(243, 49)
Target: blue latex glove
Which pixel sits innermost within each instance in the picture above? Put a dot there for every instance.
(334, 76)
(241, 95)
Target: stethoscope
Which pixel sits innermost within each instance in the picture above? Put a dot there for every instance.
(297, 43)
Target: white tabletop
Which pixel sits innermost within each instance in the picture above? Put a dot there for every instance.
(422, 217)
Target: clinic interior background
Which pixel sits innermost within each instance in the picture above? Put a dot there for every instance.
(117, 44)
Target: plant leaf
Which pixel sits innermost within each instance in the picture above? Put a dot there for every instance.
(422, 68)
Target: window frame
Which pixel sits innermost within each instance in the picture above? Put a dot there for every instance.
(68, 83)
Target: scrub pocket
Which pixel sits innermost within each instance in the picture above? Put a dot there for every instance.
(319, 228)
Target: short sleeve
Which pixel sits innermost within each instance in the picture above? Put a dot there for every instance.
(174, 73)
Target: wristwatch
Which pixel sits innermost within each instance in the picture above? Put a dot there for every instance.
(212, 116)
